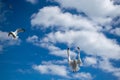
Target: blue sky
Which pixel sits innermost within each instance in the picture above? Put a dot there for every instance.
(51, 27)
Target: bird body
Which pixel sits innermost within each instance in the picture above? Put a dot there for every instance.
(15, 33)
(75, 63)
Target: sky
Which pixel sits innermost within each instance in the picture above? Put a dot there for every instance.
(51, 26)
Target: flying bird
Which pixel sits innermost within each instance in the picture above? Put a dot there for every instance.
(75, 63)
(15, 33)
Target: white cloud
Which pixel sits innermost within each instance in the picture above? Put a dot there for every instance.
(76, 30)
(58, 18)
(90, 61)
(89, 41)
(32, 1)
(107, 66)
(98, 12)
(7, 41)
(54, 50)
(51, 69)
(60, 52)
(34, 39)
(56, 68)
(83, 76)
(115, 31)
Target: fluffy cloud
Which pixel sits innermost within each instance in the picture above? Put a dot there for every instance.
(76, 30)
(55, 68)
(84, 33)
(7, 41)
(51, 69)
(90, 61)
(89, 41)
(58, 18)
(99, 12)
(83, 76)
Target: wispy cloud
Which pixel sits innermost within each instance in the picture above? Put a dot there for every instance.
(4, 12)
(24, 71)
(89, 41)
(65, 61)
(32, 1)
(115, 31)
(54, 50)
(108, 67)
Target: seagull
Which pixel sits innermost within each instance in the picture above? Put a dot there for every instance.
(75, 63)
(15, 33)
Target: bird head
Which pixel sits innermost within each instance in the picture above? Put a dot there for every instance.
(68, 48)
(78, 48)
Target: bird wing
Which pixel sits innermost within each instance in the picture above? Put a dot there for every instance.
(20, 30)
(10, 33)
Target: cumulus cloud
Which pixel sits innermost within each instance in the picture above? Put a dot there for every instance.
(55, 68)
(7, 41)
(83, 35)
(89, 41)
(99, 12)
(58, 18)
(52, 69)
(90, 61)
(83, 76)
(76, 30)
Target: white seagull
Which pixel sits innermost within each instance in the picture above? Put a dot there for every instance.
(74, 63)
(15, 33)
